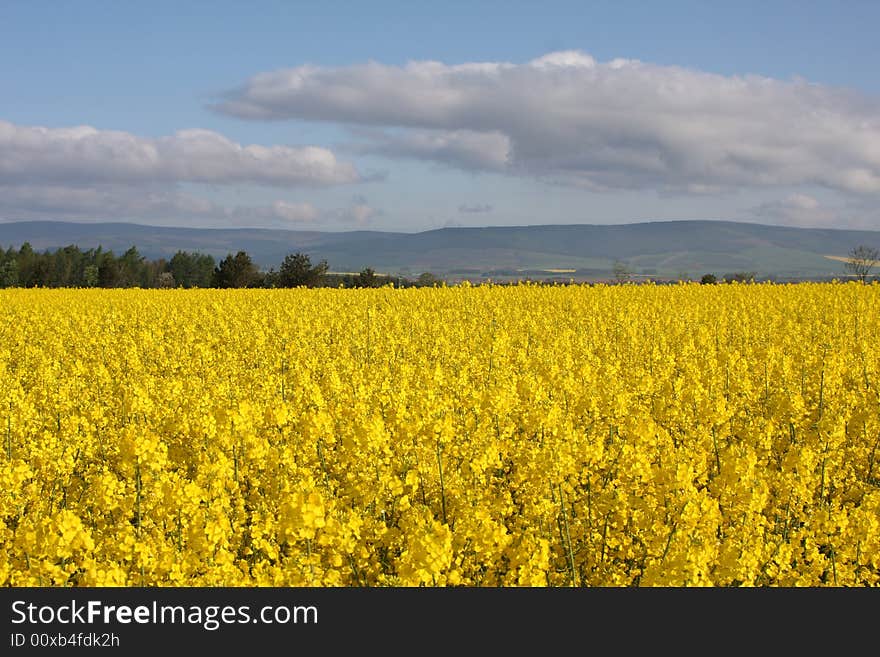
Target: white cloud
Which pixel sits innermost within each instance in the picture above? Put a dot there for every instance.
(567, 118)
(280, 214)
(802, 210)
(463, 148)
(84, 155)
(801, 202)
(86, 174)
(101, 202)
(159, 205)
(359, 214)
(295, 212)
(565, 58)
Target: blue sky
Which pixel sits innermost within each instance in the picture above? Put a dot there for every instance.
(319, 115)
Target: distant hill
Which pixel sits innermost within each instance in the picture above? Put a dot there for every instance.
(661, 249)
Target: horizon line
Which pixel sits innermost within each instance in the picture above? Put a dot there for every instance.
(430, 230)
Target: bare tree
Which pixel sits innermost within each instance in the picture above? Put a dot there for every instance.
(862, 259)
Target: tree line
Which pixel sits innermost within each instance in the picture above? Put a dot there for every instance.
(71, 266)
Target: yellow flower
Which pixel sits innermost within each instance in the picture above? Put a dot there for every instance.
(468, 435)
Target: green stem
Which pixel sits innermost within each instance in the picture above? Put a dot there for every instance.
(570, 553)
(715, 445)
(668, 542)
(870, 478)
(283, 367)
(323, 465)
(604, 537)
(442, 486)
(834, 565)
(9, 434)
(137, 483)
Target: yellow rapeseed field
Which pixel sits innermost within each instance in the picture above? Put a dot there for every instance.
(481, 436)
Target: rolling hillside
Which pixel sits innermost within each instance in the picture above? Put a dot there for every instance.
(662, 249)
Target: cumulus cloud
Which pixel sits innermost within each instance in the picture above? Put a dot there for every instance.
(85, 155)
(479, 208)
(565, 117)
(86, 174)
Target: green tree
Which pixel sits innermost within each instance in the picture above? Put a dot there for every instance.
(622, 273)
(66, 267)
(427, 279)
(41, 272)
(708, 279)
(90, 276)
(297, 270)
(108, 270)
(368, 278)
(236, 271)
(26, 262)
(191, 269)
(8, 271)
(740, 277)
(268, 279)
(131, 269)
